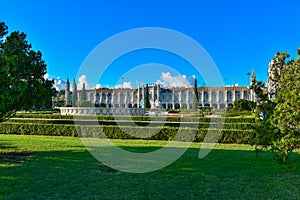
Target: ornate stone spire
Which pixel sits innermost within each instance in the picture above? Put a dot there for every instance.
(74, 93)
(67, 93)
(253, 78)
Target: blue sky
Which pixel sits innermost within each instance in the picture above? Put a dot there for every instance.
(238, 35)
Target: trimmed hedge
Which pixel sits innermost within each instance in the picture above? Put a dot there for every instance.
(38, 129)
(137, 118)
(239, 126)
(43, 116)
(116, 132)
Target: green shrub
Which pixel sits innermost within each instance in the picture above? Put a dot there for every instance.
(38, 129)
(227, 125)
(116, 132)
(85, 104)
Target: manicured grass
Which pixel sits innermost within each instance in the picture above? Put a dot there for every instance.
(61, 168)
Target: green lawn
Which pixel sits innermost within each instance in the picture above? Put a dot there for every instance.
(61, 168)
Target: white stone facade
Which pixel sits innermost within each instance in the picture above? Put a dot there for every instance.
(166, 98)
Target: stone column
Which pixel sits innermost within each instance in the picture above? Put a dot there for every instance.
(100, 97)
(210, 97)
(95, 97)
(187, 99)
(233, 95)
(143, 96)
(173, 99)
(225, 97)
(180, 99)
(190, 99)
(107, 100)
(242, 94)
(218, 98)
(158, 94)
(138, 96)
(113, 98)
(125, 99)
(132, 98)
(202, 98)
(119, 99)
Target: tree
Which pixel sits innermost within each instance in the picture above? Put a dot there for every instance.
(60, 98)
(74, 94)
(244, 105)
(287, 111)
(146, 98)
(195, 97)
(274, 73)
(259, 87)
(22, 70)
(264, 106)
(281, 130)
(85, 103)
(83, 93)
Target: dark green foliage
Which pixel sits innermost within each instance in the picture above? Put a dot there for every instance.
(137, 118)
(276, 68)
(234, 113)
(235, 130)
(267, 108)
(85, 104)
(83, 94)
(244, 105)
(174, 111)
(146, 98)
(116, 132)
(287, 111)
(42, 116)
(258, 88)
(59, 100)
(281, 130)
(195, 97)
(205, 125)
(3, 30)
(38, 129)
(22, 70)
(74, 94)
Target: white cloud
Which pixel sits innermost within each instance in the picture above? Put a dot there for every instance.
(58, 83)
(125, 85)
(83, 79)
(167, 80)
(46, 76)
(97, 86)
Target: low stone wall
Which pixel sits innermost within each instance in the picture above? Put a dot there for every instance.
(101, 111)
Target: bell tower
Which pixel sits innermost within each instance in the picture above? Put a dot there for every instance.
(252, 85)
(67, 93)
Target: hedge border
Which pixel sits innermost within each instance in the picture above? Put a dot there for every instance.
(136, 118)
(116, 132)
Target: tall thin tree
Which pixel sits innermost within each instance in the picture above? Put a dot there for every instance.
(146, 98)
(195, 97)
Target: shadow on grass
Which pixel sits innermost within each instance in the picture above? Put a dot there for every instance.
(223, 174)
(11, 154)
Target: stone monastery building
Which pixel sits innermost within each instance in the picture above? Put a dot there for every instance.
(159, 97)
